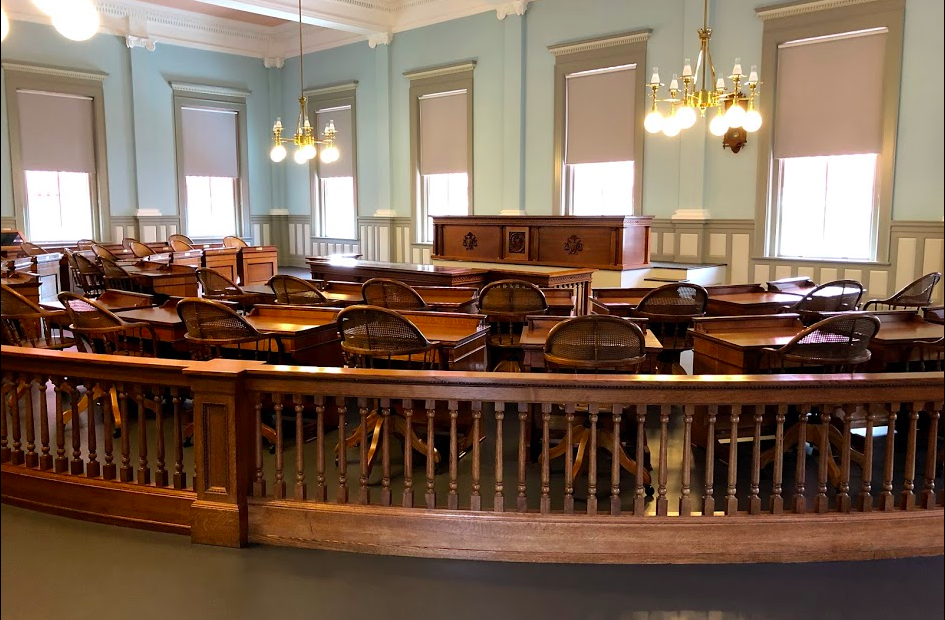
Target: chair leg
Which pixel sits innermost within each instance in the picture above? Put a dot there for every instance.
(409, 435)
(606, 441)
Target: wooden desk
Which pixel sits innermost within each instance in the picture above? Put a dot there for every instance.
(731, 345)
(894, 343)
(616, 301)
(354, 270)
(749, 304)
(934, 314)
(256, 264)
(113, 300)
(24, 283)
(221, 260)
(798, 286)
(169, 280)
(47, 268)
(535, 333)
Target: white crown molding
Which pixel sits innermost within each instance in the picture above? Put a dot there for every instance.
(790, 10)
(420, 74)
(517, 7)
(638, 36)
(208, 89)
(274, 62)
(96, 76)
(132, 42)
(332, 89)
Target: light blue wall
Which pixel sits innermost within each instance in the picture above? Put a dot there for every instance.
(139, 114)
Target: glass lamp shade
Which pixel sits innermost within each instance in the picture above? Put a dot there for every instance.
(653, 122)
(77, 20)
(309, 151)
(277, 153)
(752, 120)
(330, 154)
(686, 116)
(299, 156)
(671, 126)
(4, 24)
(719, 125)
(735, 115)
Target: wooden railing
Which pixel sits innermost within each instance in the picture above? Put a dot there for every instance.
(870, 487)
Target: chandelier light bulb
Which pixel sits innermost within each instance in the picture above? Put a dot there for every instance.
(49, 7)
(277, 153)
(718, 126)
(310, 152)
(77, 20)
(653, 122)
(4, 24)
(330, 154)
(735, 115)
(671, 127)
(686, 116)
(299, 156)
(752, 120)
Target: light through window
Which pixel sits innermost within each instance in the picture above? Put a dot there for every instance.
(602, 188)
(211, 206)
(827, 207)
(444, 194)
(337, 204)
(59, 205)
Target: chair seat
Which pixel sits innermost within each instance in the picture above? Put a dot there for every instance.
(54, 343)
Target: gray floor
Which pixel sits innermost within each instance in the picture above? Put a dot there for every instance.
(59, 567)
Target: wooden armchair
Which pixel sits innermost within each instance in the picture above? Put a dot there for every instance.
(89, 276)
(180, 243)
(140, 250)
(231, 241)
(215, 285)
(387, 293)
(834, 345)
(836, 296)
(918, 294)
(31, 249)
(294, 291)
(215, 330)
(25, 324)
(117, 278)
(670, 310)
(103, 252)
(84, 245)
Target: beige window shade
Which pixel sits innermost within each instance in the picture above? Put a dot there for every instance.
(211, 147)
(600, 116)
(808, 121)
(56, 132)
(344, 165)
(443, 133)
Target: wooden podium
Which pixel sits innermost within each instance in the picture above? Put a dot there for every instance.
(601, 242)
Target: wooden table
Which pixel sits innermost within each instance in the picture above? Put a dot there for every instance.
(536, 330)
(731, 345)
(616, 301)
(113, 300)
(799, 285)
(355, 270)
(169, 280)
(256, 264)
(894, 343)
(25, 283)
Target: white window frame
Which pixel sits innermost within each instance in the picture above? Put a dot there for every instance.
(321, 99)
(797, 22)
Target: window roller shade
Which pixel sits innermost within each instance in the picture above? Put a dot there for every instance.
(600, 116)
(210, 144)
(443, 139)
(344, 166)
(56, 132)
(810, 119)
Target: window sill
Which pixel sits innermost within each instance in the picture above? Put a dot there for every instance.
(820, 261)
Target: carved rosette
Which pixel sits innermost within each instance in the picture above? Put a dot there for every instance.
(574, 245)
(470, 242)
(516, 242)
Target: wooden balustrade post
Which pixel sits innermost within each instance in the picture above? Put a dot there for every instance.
(224, 452)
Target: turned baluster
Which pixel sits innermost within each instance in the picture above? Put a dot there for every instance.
(5, 403)
(708, 498)
(453, 497)
(639, 496)
(342, 496)
(593, 416)
(662, 503)
(475, 495)
(301, 490)
(498, 501)
(522, 498)
(685, 499)
(569, 459)
(886, 501)
(754, 498)
(144, 471)
(160, 468)
(61, 463)
(928, 491)
(125, 472)
(825, 455)
(109, 469)
(259, 482)
(800, 473)
(407, 499)
(321, 487)
(731, 497)
(907, 497)
(777, 500)
(617, 411)
(385, 452)
(45, 458)
(280, 485)
(93, 468)
(179, 478)
(430, 495)
(865, 498)
(545, 501)
(16, 455)
(76, 466)
(843, 491)
(31, 458)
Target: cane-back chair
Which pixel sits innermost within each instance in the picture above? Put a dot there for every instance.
(392, 294)
(84, 245)
(89, 276)
(918, 294)
(507, 303)
(140, 250)
(232, 241)
(102, 252)
(835, 296)
(180, 243)
(837, 344)
(670, 310)
(25, 324)
(296, 291)
(215, 330)
(215, 285)
(117, 277)
(31, 249)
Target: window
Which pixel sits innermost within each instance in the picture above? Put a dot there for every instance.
(334, 188)
(598, 107)
(210, 151)
(441, 145)
(829, 164)
(58, 183)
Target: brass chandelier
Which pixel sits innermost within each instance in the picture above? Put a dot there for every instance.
(305, 136)
(734, 109)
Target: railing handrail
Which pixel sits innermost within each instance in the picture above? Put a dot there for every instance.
(95, 365)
